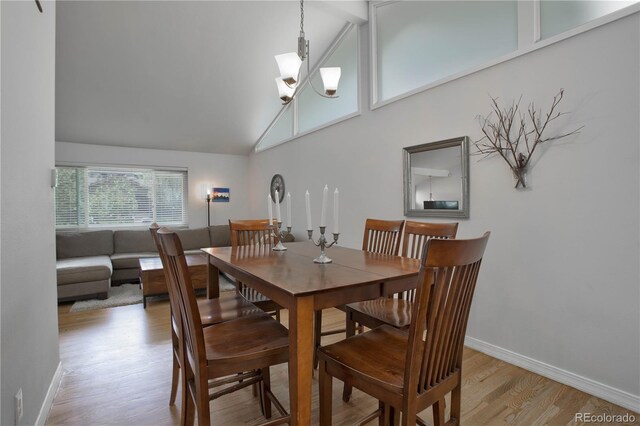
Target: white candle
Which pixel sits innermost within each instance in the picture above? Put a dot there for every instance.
(307, 199)
(323, 214)
(278, 216)
(288, 210)
(269, 202)
(335, 212)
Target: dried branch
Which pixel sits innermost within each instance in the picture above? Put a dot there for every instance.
(505, 133)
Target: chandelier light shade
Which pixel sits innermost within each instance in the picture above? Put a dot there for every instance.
(290, 64)
(330, 79)
(284, 90)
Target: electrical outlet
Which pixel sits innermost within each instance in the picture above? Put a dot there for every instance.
(19, 407)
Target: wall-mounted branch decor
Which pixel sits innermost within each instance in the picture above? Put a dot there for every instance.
(514, 134)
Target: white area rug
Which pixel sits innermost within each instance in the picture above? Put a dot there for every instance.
(125, 294)
(129, 294)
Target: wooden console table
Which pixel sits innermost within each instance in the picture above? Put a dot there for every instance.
(152, 279)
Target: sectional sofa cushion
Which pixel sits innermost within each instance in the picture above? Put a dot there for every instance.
(192, 239)
(89, 261)
(83, 269)
(220, 236)
(82, 244)
(130, 241)
(129, 260)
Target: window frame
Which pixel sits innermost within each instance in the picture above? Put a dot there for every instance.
(86, 226)
(528, 41)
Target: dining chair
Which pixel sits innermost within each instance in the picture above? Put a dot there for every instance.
(257, 234)
(227, 356)
(395, 309)
(229, 305)
(380, 236)
(410, 371)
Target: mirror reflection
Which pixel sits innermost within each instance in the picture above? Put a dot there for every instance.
(436, 179)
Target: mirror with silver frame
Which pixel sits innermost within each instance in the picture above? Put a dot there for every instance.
(436, 179)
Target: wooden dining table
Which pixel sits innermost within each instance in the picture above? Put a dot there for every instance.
(294, 281)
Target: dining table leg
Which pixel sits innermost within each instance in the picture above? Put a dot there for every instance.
(213, 280)
(301, 359)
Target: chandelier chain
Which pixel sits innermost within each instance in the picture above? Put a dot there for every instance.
(302, 16)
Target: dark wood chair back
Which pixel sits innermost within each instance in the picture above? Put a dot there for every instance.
(253, 233)
(181, 291)
(173, 301)
(445, 289)
(382, 236)
(153, 228)
(416, 235)
(253, 237)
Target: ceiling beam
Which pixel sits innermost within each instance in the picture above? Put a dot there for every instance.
(351, 11)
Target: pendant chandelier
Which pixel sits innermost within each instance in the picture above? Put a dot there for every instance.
(290, 65)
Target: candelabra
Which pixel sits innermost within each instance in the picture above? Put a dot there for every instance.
(322, 243)
(281, 234)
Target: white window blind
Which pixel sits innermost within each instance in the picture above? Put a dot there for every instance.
(108, 196)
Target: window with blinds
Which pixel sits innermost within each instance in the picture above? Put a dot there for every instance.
(106, 196)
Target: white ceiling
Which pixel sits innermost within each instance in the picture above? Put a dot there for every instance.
(191, 76)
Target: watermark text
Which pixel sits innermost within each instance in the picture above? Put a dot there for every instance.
(604, 418)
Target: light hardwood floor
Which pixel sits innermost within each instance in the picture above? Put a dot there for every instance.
(117, 371)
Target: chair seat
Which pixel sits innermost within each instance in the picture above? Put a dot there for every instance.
(384, 310)
(228, 306)
(249, 338)
(362, 356)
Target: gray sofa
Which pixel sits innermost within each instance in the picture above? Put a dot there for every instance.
(89, 262)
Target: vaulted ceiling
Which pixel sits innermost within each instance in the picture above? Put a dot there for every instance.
(182, 75)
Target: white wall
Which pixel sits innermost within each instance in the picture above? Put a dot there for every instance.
(560, 281)
(226, 171)
(28, 303)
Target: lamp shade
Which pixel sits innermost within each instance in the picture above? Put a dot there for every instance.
(284, 90)
(330, 78)
(289, 65)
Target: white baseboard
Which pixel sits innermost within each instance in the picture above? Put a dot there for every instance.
(51, 393)
(600, 390)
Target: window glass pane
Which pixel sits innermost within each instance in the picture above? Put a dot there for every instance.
(120, 197)
(281, 130)
(422, 42)
(70, 197)
(106, 196)
(559, 16)
(314, 110)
